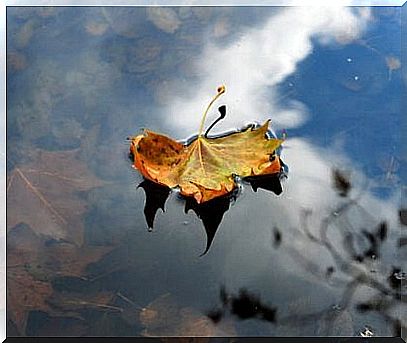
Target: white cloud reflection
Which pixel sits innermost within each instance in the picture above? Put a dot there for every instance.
(252, 66)
(247, 229)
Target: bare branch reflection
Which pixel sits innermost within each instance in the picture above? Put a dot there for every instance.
(356, 263)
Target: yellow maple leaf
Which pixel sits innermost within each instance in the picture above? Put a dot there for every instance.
(206, 167)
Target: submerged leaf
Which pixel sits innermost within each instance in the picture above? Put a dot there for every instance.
(25, 293)
(33, 261)
(165, 317)
(45, 230)
(45, 194)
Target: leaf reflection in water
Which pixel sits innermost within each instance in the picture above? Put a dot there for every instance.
(245, 305)
(358, 261)
(156, 196)
(211, 212)
(356, 258)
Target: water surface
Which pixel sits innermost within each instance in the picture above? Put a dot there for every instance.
(322, 258)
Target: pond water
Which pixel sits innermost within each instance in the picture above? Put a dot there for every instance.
(325, 257)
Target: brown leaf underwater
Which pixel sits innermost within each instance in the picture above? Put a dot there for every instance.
(165, 317)
(44, 194)
(45, 229)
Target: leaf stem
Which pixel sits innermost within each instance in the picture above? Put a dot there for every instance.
(222, 111)
(221, 90)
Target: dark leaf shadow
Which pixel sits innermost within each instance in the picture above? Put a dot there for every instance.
(156, 196)
(211, 212)
(268, 182)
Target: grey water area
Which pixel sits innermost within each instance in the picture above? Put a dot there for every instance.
(323, 258)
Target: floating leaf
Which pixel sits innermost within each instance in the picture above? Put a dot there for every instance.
(206, 168)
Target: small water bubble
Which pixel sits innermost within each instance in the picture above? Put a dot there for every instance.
(336, 307)
(335, 214)
(290, 84)
(356, 78)
(185, 222)
(366, 332)
(348, 60)
(373, 257)
(400, 275)
(237, 178)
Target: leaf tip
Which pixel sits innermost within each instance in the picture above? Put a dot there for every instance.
(266, 125)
